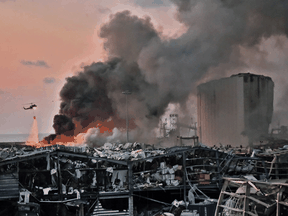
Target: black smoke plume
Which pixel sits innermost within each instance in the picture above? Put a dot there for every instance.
(63, 125)
(161, 71)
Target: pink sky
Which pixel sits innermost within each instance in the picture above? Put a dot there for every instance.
(42, 42)
(63, 34)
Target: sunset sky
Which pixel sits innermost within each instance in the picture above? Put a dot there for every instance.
(44, 41)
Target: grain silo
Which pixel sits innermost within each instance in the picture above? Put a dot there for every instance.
(236, 110)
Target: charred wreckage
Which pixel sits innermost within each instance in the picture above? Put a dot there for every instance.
(137, 179)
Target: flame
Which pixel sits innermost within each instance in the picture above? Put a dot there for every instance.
(105, 128)
(78, 138)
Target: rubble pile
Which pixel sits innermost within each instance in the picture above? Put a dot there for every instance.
(253, 197)
(276, 161)
(76, 178)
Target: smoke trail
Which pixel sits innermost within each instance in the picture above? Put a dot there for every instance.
(160, 72)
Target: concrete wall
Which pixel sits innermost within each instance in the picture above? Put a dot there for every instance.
(258, 105)
(231, 110)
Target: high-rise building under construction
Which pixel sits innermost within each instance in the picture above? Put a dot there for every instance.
(236, 110)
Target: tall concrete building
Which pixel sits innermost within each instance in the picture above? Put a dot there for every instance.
(236, 110)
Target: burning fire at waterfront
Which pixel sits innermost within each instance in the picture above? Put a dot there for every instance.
(159, 72)
(90, 162)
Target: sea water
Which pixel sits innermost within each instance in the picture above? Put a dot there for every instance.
(18, 137)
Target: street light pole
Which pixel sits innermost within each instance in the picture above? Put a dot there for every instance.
(127, 92)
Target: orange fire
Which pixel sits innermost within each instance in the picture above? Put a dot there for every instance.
(106, 128)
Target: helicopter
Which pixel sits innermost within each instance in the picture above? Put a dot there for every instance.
(32, 106)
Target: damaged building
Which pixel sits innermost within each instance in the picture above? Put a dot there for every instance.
(140, 179)
(129, 179)
(236, 110)
(247, 196)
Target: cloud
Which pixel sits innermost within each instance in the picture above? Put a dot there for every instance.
(152, 3)
(49, 80)
(39, 63)
(6, 0)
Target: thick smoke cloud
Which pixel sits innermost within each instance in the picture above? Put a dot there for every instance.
(160, 72)
(63, 125)
(84, 97)
(96, 93)
(212, 47)
(126, 35)
(216, 30)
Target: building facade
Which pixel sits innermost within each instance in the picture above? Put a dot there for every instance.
(236, 110)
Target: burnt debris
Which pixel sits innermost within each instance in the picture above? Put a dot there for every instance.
(136, 176)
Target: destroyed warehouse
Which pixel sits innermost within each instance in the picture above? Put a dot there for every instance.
(131, 178)
(141, 179)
